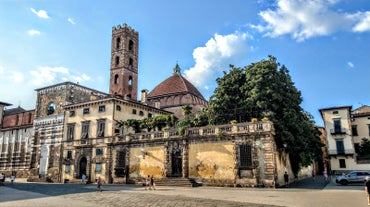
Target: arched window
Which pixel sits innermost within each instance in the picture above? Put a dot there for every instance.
(116, 79)
(118, 42)
(130, 62)
(130, 81)
(130, 45)
(117, 60)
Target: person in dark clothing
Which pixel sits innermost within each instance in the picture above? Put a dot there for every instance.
(367, 189)
(286, 179)
(152, 184)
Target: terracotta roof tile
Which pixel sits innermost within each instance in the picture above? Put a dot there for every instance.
(173, 85)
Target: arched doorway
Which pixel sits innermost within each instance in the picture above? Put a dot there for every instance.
(83, 164)
(176, 163)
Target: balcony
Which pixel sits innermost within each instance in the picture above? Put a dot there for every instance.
(338, 131)
(341, 152)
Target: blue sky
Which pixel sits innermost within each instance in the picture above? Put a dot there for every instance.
(325, 44)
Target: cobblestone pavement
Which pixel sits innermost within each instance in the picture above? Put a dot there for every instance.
(299, 194)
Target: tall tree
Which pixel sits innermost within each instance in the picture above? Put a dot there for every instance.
(265, 89)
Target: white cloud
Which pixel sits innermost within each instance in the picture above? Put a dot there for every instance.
(47, 75)
(81, 78)
(350, 64)
(40, 13)
(16, 77)
(33, 32)
(70, 20)
(363, 24)
(216, 56)
(303, 19)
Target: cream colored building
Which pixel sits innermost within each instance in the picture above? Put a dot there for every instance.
(89, 131)
(345, 129)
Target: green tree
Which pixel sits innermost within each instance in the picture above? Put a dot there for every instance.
(265, 89)
(365, 147)
(227, 102)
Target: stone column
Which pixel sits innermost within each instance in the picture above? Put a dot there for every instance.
(185, 159)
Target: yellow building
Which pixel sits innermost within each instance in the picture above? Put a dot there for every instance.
(89, 131)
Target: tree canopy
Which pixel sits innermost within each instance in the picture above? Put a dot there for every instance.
(265, 89)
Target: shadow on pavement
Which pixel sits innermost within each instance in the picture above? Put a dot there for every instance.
(309, 183)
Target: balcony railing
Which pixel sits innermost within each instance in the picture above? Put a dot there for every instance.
(226, 130)
(338, 131)
(341, 152)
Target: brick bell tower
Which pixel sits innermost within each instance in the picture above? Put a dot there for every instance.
(124, 62)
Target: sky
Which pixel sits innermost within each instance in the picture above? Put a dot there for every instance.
(325, 44)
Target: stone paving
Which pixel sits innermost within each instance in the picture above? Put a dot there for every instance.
(303, 193)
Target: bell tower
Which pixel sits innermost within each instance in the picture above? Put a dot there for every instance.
(124, 62)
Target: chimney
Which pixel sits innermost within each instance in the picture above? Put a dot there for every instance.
(144, 94)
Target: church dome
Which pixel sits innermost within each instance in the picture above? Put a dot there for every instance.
(176, 84)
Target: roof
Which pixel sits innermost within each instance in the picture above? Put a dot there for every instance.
(14, 111)
(174, 85)
(5, 104)
(70, 83)
(334, 108)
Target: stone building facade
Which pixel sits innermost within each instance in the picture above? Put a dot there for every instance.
(49, 124)
(89, 132)
(16, 140)
(229, 155)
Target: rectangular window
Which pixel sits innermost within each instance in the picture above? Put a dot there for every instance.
(335, 112)
(69, 154)
(99, 151)
(86, 111)
(337, 126)
(98, 167)
(118, 108)
(68, 168)
(357, 147)
(342, 163)
(85, 130)
(71, 113)
(245, 152)
(141, 113)
(354, 130)
(101, 128)
(340, 146)
(70, 132)
(121, 163)
(133, 111)
(150, 115)
(102, 108)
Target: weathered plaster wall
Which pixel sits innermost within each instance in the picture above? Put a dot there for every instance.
(212, 160)
(146, 161)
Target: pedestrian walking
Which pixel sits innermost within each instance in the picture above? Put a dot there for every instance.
(98, 183)
(367, 189)
(152, 184)
(12, 178)
(313, 175)
(147, 183)
(83, 180)
(325, 175)
(286, 179)
(2, 179)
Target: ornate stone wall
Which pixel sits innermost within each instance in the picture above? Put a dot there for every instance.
(210, 155)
